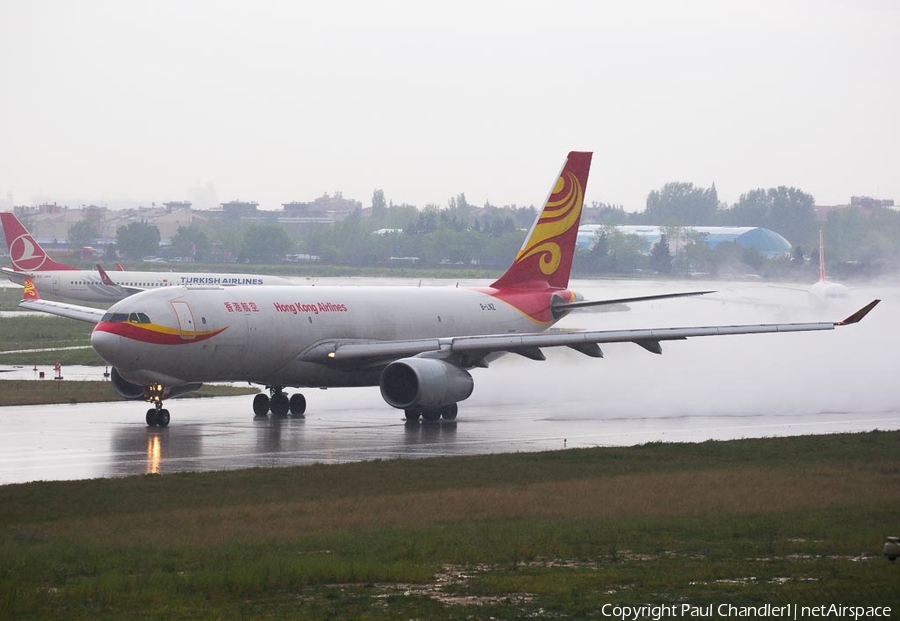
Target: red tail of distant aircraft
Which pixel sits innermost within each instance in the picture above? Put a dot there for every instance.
(25, 252)
(821, 257)
(824, 292)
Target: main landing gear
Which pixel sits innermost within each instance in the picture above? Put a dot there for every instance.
(447, 413)
(279, 403)
(157, 416)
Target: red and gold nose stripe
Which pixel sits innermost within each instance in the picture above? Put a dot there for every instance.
(154, 333)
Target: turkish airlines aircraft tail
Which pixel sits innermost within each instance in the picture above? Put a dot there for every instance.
(24, 251)
(545, 259)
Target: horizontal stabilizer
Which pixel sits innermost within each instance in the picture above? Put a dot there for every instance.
(565, 306)
(14, 276)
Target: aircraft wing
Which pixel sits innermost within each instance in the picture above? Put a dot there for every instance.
(62, 309)
(474, 348)
(31, 300)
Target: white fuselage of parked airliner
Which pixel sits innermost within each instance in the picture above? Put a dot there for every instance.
(88, 286)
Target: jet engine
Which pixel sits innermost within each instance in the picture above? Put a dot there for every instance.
(124, 388)
(138, 392)
(425, 383)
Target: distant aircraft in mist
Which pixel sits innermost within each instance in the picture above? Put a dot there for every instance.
(824, 292)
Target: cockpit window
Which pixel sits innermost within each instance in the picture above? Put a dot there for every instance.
(126, 317)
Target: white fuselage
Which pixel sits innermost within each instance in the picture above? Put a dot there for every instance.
(825, 293)
(88, 286)
(256, 334)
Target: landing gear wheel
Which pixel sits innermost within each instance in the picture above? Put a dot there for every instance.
(412, 416)
(152, 418)
(279, 404)
(162, 418)
(261, 405)
(431, 416)
(449, 412)
(298, 405)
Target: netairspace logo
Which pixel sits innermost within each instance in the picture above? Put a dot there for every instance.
(729, 611)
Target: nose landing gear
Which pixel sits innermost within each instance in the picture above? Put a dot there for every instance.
(157, 416)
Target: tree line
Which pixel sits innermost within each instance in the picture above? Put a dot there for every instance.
(858, 242)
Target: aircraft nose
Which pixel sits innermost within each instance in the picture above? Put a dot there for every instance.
(106, 345)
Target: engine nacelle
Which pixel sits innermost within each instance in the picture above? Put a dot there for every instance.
(138, 392)
(425, 383)
(124, 388)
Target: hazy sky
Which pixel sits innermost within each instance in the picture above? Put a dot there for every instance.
(219, 100)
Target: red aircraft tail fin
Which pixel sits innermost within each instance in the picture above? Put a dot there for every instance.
(24, 251)
(545, 259)
(30, 292)
(104, 277)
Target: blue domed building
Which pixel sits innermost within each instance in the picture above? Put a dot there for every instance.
(767, 242)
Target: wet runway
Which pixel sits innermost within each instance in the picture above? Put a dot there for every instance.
(704, 388)
(107, 440)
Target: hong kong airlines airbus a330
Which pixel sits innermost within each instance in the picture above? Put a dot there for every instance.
(30, 260)
(417, 343)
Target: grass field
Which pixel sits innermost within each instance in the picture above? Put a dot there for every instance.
(42, 332)
(42, 392)
(542, 535)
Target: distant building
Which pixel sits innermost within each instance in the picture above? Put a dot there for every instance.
(863, 204)
(768, 243)
(867, 202)
(325, 209)
(178, 214)
(235, 210)
(49, 223)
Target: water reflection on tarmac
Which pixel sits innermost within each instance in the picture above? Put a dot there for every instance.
(706, 388)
